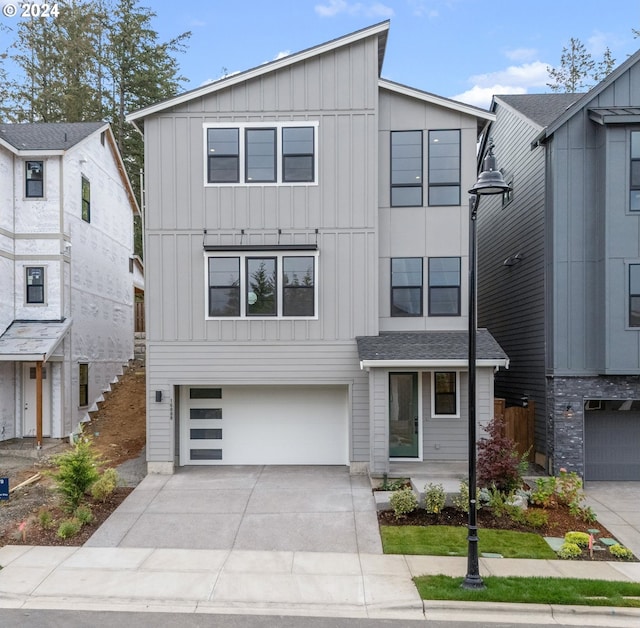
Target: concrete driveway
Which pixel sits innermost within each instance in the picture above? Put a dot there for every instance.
(617, 506)
(291, 508)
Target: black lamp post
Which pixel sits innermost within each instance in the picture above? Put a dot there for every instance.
(490, 181)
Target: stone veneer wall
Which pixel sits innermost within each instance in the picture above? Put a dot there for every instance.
(566, 433)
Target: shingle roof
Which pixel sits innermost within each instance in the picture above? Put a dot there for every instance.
(47, 136)
(428, 345)
(543, 109)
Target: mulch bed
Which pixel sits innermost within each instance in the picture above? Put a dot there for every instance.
(559, 523)
(34, 534)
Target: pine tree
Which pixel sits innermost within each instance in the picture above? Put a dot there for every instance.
(577, 70)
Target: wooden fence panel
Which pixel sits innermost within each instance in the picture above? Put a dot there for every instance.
(518, 425)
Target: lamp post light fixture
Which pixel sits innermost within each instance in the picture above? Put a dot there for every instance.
(490, 181)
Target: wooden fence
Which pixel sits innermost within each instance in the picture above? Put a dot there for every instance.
(139, 316)
(518, 425)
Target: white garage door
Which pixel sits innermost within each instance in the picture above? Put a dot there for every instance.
(264, 425)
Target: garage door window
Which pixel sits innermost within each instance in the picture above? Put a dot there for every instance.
(272, 285)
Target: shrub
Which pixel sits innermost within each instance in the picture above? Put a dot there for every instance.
(545, 492)
(76, 472)
(536, 517)
(69, 528)
(499, 463)
(581, 539)
(83, 514)
(499, 503)
(569, 550)
(434, 498)
(461, 499)
(104, 485)
(584, 513)
(619, 551)
(45, 518)
(568, 487)
(403, 502)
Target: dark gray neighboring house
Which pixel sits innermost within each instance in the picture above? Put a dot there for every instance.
(559, 271)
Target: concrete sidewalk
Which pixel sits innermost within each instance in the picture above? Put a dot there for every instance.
(282, 583)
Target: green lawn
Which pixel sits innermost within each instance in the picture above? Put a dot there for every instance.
(533, 591)
(452, 541)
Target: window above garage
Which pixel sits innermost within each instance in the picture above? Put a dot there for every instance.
(262, 283)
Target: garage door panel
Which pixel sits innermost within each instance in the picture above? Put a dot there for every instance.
(612, 445)
(270, 425)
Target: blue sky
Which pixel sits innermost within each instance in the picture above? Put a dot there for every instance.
(462, 49)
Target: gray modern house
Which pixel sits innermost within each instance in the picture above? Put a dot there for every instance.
(306, 252)
(559, 271)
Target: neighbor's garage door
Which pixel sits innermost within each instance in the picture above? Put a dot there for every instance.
(264, 425)
(612, 445)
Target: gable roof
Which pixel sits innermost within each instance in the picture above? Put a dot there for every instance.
(542, 109)
(47, 135)
(611, 78)
(481, 114)
(380, 29)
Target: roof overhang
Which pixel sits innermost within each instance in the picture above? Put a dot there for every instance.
(615, 115)
(32, 341)
(381, 29)
(432, 364)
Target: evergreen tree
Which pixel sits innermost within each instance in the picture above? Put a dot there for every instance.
(577, 70)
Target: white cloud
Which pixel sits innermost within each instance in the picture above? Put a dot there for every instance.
(334, 7)
(515, 79)
(481, 96)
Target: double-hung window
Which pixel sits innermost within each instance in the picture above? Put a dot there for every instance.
(34, 179)
(35, 285)
(444, 167)
(634, 295)
(406, 168)
(444, 286)
(267, 154)
(634, 196)
(275, 284)
(406, 286)
(86, 200)
(444, 393)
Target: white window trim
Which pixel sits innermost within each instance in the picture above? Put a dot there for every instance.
(243, 255)
(242, 126)
(24, 180)
(433, 394)
(44, 285)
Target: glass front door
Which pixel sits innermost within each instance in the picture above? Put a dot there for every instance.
(403, 415)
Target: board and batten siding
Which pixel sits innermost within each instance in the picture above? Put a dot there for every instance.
(338, 91)
(511, 298)
(594, 238)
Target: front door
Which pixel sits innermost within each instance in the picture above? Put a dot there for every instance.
(29, 405)
(404, 421)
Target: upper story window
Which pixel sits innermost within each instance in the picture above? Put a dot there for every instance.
(269, 153)
(86, 200)
(444, 167)
(634, 295)
(634, 197)
(275, 284)
(406, 168)
(34, 292)
(444, 286)
(260, 155)
(34, 179)
(444, 394)
(406, 286)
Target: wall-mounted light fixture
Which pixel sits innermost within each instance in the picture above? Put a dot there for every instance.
(568, 411)
(158, 396)
(525, 400)
(512, 260)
